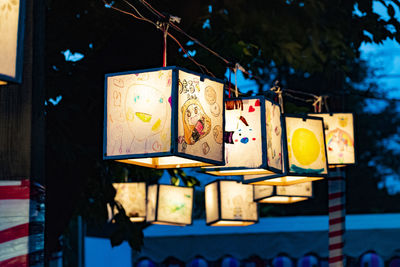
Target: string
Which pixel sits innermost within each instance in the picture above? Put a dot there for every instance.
(229, 88)
(165, 27)
(236, 89)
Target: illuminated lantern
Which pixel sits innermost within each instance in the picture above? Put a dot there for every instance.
(230, 203)
(339, 137)
(132, 197)
(12, 19)
(304, 153)
(168, 204)
(283, 194)
(253, 138)
(164, 118)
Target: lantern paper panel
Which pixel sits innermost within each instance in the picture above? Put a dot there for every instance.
(164, 118)
(250, 147)
(200, 117)
(132, 197)
(306, 151)
(282, 180)
(339, 137)
(282, 194)
(230, 203)
(11, 40)
(167, 204)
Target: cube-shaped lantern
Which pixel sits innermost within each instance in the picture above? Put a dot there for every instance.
(253, 138)
(283, 194)
(164, 118)
(168, 204)
(132, 197)
(339, 137)
(230, 203)
(12, 20)
(304, 153)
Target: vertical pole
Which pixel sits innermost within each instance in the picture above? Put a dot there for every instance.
(165, 32)
(336, 190)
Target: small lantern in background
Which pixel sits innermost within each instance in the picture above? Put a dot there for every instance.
(164, 118)
(168, 204)
(230, 203)
(304, 153)
(12, 20)
(339, 137)
(253, 138)
(132, 197)
(283, 194)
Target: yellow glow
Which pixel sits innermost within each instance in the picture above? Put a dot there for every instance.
(3, 83)
(282, 200)
(232, 223)
(137, 219)
(287, 180)
(239, 172)
(165, 162)
(305, 146)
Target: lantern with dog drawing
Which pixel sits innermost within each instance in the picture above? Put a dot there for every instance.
(164, 118)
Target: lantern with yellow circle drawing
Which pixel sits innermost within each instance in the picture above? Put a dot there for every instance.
(283, 194)
(304, 153)
(230, 203)
(164, 118)
(253, 138)
(339, 137)
(12, 20)
(169, 204)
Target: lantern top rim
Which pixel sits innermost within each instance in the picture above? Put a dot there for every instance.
(303, 116)
(202, 76)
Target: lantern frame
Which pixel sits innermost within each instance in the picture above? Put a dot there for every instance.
(291, 198)
(264, 168)
(219, 204)
(156, 204)
(136, 218)
(19, 61)
(173, 151)
(333, 165)
(281, 179)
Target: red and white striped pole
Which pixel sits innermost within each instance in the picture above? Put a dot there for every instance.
(336, 189)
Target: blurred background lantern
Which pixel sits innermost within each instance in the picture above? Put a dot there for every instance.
(308, 261)
(12, 20)
(230, 262)
(371, 259)
(132, 197)
(394, 262)
(145, 263)
(339, 137)
(304, 153)
(168, 204)
(283, 194)
(164, 118)
(198, 262)
(282, 261)
(230, 203)
(253, 138)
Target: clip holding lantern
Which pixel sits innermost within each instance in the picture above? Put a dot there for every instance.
(304, 153)
(164, 118)
(283, 194)
(169, 204)
(230, 203)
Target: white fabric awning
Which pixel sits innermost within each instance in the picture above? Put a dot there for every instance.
(295, 236)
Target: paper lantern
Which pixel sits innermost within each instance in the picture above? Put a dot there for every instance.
(304, 153)
(230, 203)
(339, 137)
(230, 262)
(164, 118)
(168, 204)
(283, 194)
(308, 261)
(198, 262)
(12, 20)
(282, 261)
(132, 197)
(253, 138)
